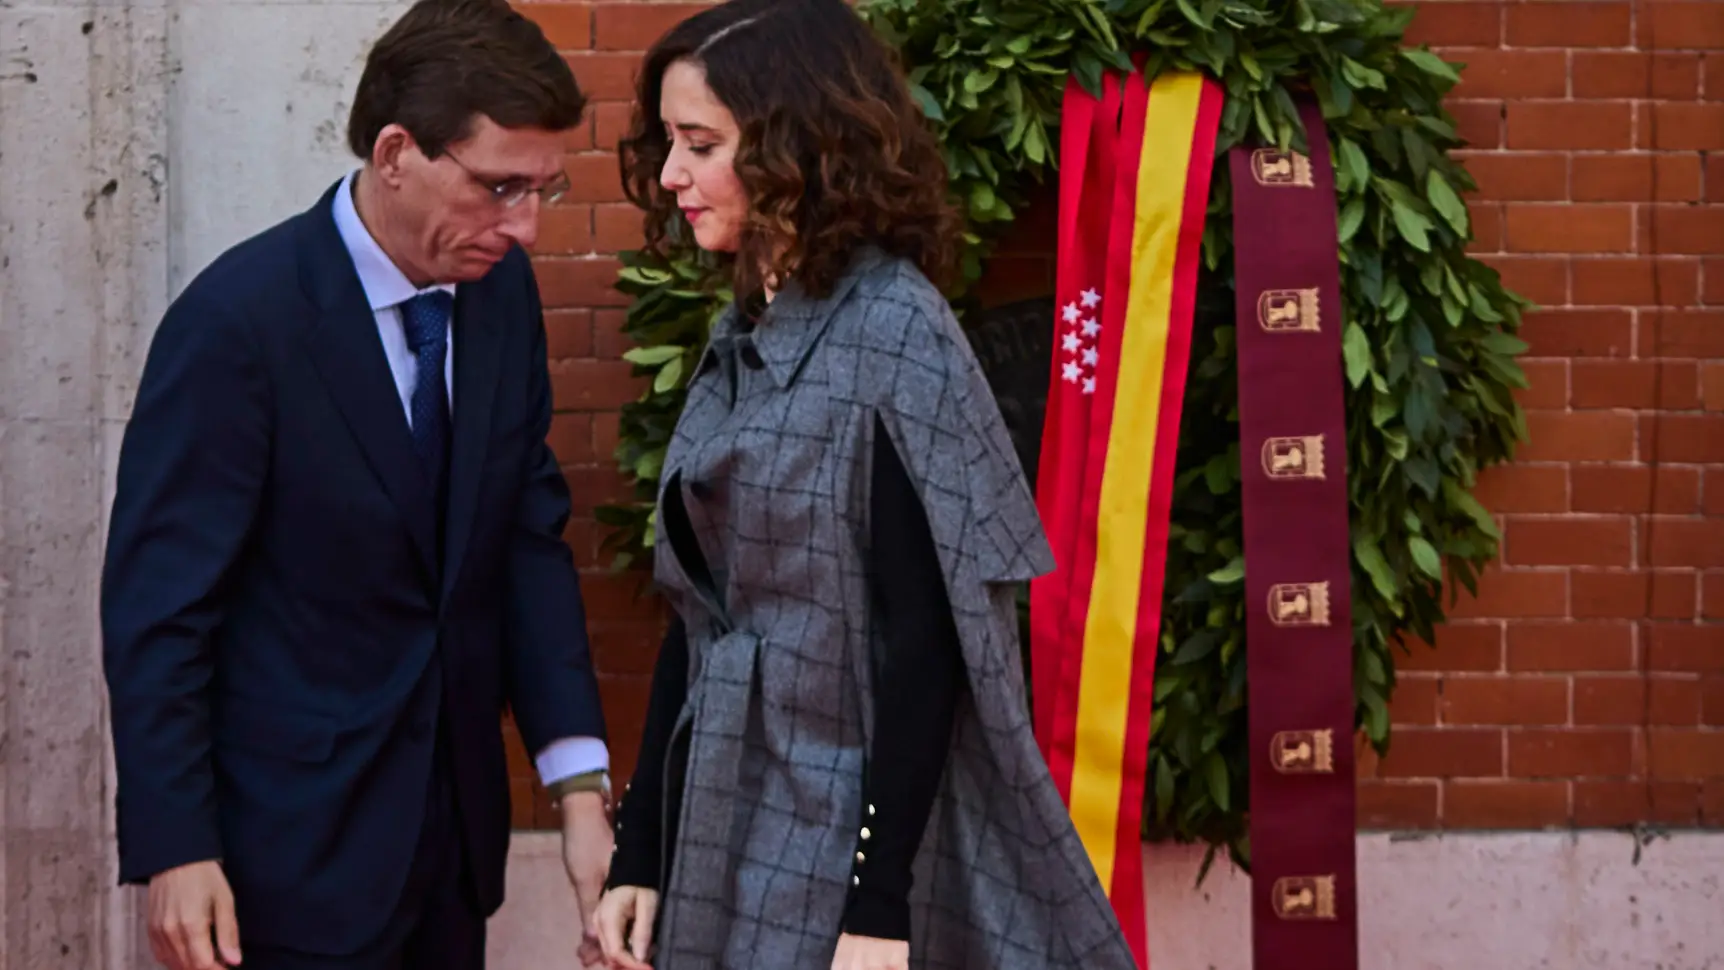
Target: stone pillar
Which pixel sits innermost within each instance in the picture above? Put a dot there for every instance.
(138, 139)
(83, 220)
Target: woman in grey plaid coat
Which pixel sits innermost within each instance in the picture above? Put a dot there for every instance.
(838, 768)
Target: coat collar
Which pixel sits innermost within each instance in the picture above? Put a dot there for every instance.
(791, 324)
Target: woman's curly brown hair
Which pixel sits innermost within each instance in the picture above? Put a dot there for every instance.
(834, 153)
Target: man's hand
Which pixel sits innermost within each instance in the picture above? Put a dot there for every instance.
(869, 953)
(587, 841)
(186, 905)
(625, 910)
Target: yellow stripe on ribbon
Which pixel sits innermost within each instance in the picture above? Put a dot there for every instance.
(1110, 631)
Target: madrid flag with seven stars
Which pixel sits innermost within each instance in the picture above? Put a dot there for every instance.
(1135, 167)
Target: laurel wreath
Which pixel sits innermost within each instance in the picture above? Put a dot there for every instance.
(1429, 345)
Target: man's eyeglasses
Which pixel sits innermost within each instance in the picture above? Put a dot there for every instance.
(510, 192)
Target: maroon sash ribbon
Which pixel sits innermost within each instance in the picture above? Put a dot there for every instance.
(1299, 643)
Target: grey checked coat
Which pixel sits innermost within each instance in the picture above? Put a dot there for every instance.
(769, 461)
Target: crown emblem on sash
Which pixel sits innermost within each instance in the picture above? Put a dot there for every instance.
(1299, 604)
(1303, 752)
(1289, 311)
(1294, 458)
(1304, 897)
(1272, 166)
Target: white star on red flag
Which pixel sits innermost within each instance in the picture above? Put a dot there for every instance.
(1079, 336)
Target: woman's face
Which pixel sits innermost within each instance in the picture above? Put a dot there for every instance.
(700, 166)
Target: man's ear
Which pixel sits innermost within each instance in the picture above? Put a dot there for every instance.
(389, 153)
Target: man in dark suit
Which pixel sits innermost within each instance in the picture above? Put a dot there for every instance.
(335, 555)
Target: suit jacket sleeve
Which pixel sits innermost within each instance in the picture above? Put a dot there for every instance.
(192, 466)
(552, 690)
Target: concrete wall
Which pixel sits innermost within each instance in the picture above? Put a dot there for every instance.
(137, 140)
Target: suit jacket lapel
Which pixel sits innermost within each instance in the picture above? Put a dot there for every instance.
(349, 357)
(478, 350)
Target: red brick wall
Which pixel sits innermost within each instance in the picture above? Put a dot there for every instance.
(575, 262)
(1586, 685)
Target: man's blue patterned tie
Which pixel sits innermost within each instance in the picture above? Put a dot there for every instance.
(425, 318)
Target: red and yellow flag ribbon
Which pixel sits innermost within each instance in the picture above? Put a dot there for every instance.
(1133, 195)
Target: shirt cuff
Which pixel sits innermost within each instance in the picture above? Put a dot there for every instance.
(568, 757)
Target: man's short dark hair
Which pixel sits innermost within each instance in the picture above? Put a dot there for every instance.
(446, 61)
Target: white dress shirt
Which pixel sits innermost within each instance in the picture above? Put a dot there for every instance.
(386, 288)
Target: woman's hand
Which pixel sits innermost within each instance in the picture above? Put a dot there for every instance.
(870, 953)
(625, 910)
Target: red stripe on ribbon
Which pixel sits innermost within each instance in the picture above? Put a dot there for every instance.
(1087, 169)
